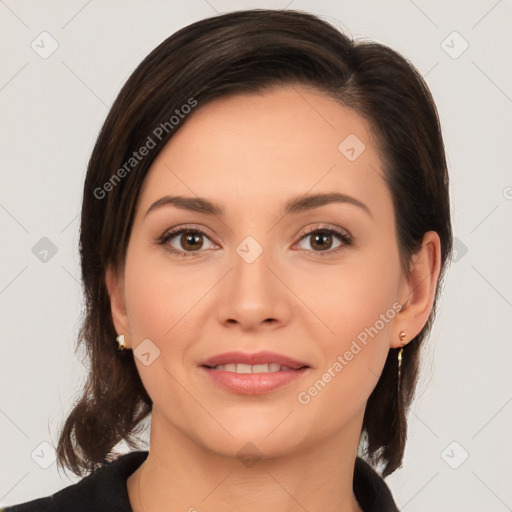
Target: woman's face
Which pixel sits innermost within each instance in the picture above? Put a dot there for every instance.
(254, 280)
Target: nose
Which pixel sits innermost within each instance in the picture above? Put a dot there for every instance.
(252, 295)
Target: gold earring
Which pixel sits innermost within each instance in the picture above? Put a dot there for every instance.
(402, 337)
(120, 343)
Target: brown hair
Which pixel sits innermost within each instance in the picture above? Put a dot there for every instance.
(243, 52)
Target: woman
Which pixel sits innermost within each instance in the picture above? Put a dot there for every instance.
(265, 225)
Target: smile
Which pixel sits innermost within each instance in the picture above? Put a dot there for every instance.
(256, 368)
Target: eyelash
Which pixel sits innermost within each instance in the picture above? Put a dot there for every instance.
(345, 239)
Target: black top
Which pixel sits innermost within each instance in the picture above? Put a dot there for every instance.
(104, 490)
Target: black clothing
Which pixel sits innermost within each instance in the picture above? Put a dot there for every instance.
(104, 490)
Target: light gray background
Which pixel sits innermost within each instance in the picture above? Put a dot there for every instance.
(52, 110)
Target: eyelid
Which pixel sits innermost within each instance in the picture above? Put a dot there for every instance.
(173, 232)
(326, 227)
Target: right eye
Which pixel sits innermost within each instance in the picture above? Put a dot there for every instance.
(184, 241)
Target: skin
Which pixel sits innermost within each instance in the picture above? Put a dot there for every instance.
(251, 154)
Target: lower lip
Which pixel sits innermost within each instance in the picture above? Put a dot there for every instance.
(253, 383)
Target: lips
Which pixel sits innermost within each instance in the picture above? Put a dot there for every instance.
(252, 374)
(258, 358)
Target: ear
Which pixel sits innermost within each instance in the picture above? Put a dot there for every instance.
(418, 290)
(115, 287)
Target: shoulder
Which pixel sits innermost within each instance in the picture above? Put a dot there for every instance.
(371, 490)
(103, 490)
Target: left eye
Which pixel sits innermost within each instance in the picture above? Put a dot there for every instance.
(322, 240)
(189, 240)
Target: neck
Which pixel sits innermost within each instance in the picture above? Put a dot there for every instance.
(180, 475)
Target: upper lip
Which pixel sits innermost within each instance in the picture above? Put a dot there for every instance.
(263, 357)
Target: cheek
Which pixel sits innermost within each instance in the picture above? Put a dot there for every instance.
(354, 356)
(160, 306)
(357, 308)
(159, 296)
(353, 296)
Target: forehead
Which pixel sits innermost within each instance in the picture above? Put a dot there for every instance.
(286, 141)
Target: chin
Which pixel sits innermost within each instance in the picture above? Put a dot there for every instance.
(248, 442)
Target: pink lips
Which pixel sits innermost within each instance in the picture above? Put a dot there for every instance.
(253, 383)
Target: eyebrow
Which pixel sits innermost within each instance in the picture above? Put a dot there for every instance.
(293, 206)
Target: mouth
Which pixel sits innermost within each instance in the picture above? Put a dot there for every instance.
(256, 368)
(252, 374)
(258, 362)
